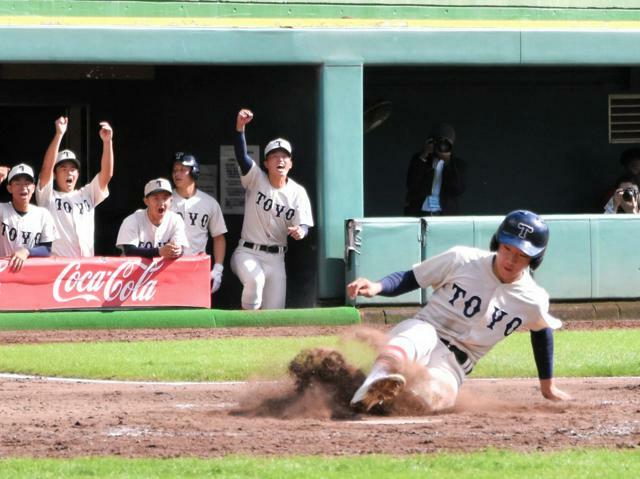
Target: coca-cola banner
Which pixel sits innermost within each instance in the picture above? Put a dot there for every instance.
(105, 282)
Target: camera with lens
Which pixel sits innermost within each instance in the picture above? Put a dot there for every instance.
(629, 193)
(443, 145)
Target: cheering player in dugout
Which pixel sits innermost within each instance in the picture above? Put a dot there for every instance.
(275, 207)
(73, 209)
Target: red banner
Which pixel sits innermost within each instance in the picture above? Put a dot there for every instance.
(101, 282)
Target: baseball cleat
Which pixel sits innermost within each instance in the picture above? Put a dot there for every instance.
(381, 390)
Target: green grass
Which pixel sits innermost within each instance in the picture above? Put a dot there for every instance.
(613, 352)
(490, 464)
(188, 360)
(578, 353)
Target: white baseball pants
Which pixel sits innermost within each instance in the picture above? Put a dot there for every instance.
(263, 277)
(444, 376)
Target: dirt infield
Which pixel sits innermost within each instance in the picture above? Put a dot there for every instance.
(46, 418)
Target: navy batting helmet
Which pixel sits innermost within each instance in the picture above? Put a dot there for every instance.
(187, 159)
(526, 231)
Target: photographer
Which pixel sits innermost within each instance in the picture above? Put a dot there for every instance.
(625, 198)
(435, 178)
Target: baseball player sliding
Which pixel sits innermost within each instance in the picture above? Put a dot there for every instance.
(27, 230)
(201, 213)
(479, 298)
(275, 207)
(73, 210)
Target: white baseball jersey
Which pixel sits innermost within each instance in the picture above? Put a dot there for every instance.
(202, 217)
(472, 308)
(24, 231)
(73, 213)
(269, 211)
(137, 230)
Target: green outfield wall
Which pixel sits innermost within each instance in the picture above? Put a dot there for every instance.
(525, 85)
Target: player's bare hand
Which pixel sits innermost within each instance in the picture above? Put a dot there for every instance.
(106, 132)
(244, 116)
(551, 392)
(170, 251)
(4, 172)
(17, 259)
(296, 232)
(61, 125)
(363, 287)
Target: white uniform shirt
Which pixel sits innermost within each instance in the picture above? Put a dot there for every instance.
(202, 217)
(73, 213)
(472, 308)
(24, 231)
(269, 211)
(137, 230)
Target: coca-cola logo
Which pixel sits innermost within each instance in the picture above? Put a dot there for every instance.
(122, 284)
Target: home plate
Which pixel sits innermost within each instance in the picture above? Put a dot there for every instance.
(397, 420)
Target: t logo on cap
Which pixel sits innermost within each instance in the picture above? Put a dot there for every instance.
(524, 230)
(156, 185)
(21, 169)
(278, 144)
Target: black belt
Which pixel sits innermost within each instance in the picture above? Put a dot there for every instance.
(263, 247)
(461, 356)
(431, 213)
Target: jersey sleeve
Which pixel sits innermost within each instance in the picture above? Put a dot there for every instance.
(179, 235)
(304, 216)
(435, 271)
(128, 233)
(545, 319)
(217, 226)
(97, 195)
(44, 196)
(250, 179)
(49, 231)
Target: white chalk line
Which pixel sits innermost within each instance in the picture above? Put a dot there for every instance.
(28, 377)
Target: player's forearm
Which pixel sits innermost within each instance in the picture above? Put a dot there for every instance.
(130, 250)
(41, 250)
(242, 157)
(542, 345)
(219, 249)
(46, 171)
(106, 164)
(398, 283)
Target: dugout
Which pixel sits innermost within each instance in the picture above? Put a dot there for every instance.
(530, 101)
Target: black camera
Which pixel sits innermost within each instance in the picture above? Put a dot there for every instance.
(629, 193)
(443, 145)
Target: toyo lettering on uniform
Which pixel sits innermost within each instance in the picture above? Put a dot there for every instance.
(269, 205)
(82, 206)
(25, 236)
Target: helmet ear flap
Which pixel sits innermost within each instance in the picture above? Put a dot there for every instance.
(493, 245)
(535, 262)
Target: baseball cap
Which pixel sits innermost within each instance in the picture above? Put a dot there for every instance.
(67, 155)
(277, 144)
(159, 184)
(21, 169)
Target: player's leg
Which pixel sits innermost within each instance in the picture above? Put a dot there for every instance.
(437, 385)
(247, 267)
(275, 289)
(409, 342)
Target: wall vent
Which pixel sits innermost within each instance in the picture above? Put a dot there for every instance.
(624, 118)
